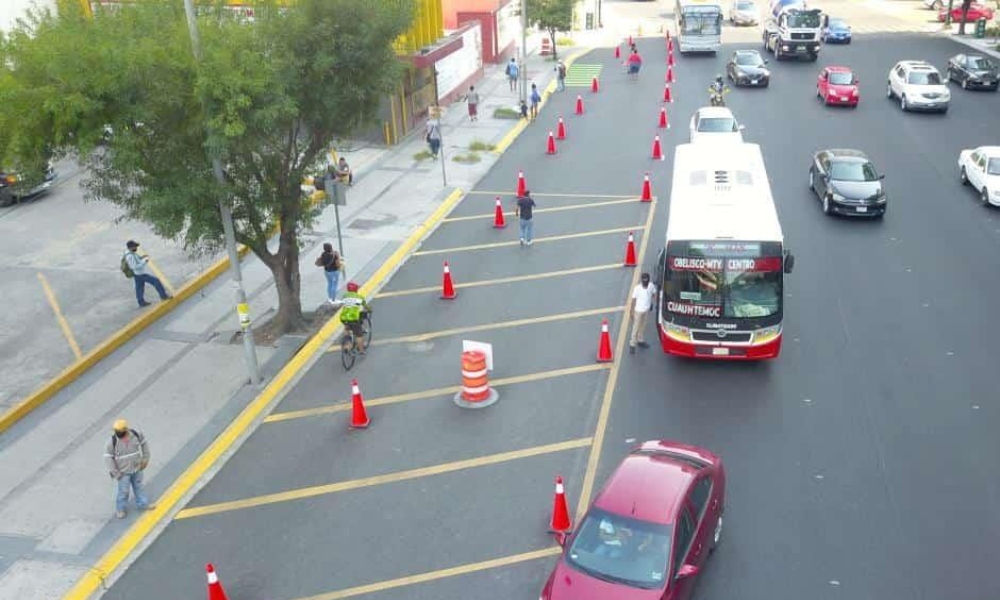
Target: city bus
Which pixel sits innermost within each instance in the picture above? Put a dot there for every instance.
(699, 25)
(722, 266)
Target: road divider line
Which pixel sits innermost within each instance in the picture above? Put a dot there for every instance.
(354, 484)
(423, 337)
(502, 280)
(63, 323)
(555, 195)
(492, 215)
(163, 278)
(435, 393)
(428, 576)
(609, 391)
(541, 240)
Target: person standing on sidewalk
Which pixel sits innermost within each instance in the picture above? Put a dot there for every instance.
(473, 100)
(513, 72)
(643, 300)
(126, 456)
(523, 209)
(560, 76)
(434, 136)
(138, 266)
(536, 99)
(330, 261)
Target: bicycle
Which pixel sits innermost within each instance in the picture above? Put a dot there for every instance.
(348, 343)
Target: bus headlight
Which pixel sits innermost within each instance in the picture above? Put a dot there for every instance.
(677, 332)
(765, 335)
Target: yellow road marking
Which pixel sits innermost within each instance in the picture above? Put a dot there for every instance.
(163, 278)
(545, 210)
(502, 280)
(435, 393)
(423, 337)
(602, 419)
(553, 238)
(354, 484)
(554, 195)
(63, 323)
(408, 580)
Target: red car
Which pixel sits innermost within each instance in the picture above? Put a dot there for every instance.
(976, 11)
(838, 85)
(648, 532)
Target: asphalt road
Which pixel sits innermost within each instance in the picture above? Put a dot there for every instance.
(860, 462)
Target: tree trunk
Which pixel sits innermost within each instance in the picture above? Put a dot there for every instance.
(285, 269)
(552, 38)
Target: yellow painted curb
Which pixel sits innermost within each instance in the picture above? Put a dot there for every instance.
(123, 548)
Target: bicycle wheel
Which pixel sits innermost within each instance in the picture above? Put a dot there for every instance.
(368, 331)
(347, 352)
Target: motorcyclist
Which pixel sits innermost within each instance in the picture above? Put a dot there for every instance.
(716, 90)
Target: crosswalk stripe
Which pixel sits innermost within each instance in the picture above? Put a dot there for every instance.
(580, 75)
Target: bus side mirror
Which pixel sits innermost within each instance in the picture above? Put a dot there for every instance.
(789, 262)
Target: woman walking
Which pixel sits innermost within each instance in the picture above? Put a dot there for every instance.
(330, 261)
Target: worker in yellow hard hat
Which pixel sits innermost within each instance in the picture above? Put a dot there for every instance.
(126, 456)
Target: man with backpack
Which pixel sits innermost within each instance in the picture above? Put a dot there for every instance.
(513, 71)
(126, 456)
(560, 76)
(135, 268)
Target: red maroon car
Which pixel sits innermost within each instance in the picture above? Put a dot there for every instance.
(649, 531)
(976, 11)
(837, 85)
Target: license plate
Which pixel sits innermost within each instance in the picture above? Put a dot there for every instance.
(800, 50)
(932, 105)
(720, 351)
(754, 81)
(862, 209)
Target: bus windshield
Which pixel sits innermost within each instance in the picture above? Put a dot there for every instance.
(716, 287)
(701, 21)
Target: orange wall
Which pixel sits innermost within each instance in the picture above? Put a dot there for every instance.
(452, 7)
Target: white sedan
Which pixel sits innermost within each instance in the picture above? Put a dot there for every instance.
(715, 124)
(980, 168)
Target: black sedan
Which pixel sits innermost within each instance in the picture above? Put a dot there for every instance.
(973, 71)
(847, 183)
(747, 67)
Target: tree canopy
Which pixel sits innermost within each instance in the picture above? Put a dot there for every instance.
(268, 98)
(551, 16)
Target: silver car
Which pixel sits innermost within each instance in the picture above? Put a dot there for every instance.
(744, 12)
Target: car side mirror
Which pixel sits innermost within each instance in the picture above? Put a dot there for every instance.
(742, 127)
(687, 571)
(881, 176)
(856, 81)
(789, 262)
(766, 62)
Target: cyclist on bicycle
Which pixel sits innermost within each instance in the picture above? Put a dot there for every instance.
(352, 314)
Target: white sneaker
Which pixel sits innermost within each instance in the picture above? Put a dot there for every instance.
(529, 242)
(522, 241)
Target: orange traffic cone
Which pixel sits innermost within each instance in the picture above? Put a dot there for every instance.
(670, 59)
(630, 260)
(522, 186)
(215, 591)
(447, 286)
(579, 105)
(359, 416)
(498, 219)
(561, 130)
(647, 189)
(670, 45)
(550, 147)
(618, 52)
(604, 344)
(657, 150)
(560, 511)
(670, 74)
(594, 87)
(667, 96)
(664, 124)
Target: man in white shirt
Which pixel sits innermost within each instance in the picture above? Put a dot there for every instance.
(643, 300)
(140, 275)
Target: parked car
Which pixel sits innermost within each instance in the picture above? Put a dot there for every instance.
(973, 71)
(847, 183)
(838, 85)
(976, 11)
(12, 188)
(835, 31)
(748, 67)
(715, 124)
(650, 530)
(918, 86)
(744, 12)
(980, 168)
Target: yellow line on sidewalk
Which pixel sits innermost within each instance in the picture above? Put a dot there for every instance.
(163, 278)
(423, 337)
(435, 393)
(63, 323)
(354, 484)
(510, 194)
(510, 214)
(542, 240)
(502, 280)
(408, 580)
(609, 392)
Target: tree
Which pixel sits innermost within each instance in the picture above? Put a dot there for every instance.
(267, 99)
(965, 15)
(551, 16)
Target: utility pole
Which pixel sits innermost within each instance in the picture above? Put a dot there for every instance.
(436, 112)
(242, 309)
(524, 50)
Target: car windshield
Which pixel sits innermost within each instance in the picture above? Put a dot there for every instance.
(718, 125)
(621, 550)
(701, 23)
(745, 6)
(853, 171)
(993, 167)
(807, 20)
(838, 24)
(980, 63)
(698, 286)
(749, 60)
(841, 78)
(924, 78)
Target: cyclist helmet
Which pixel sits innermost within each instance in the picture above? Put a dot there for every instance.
(718, 79)
(351, 286)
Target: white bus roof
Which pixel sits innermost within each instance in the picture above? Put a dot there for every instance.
(721, 193)
(684, 3)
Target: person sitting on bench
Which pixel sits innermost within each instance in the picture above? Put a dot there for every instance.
(344, 171)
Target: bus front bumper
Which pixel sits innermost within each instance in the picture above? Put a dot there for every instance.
(675, 347)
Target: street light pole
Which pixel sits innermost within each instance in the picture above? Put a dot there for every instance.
(437, 108)
(249, 349)
(524, 51)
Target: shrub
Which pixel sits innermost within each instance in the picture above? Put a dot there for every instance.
(506, 113)
(422, 155)
(480, 146)
(564, 41)
(467, 158)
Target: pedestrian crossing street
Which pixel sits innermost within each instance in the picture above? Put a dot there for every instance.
(581, 75)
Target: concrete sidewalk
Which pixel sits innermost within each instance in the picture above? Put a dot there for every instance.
(183, 380)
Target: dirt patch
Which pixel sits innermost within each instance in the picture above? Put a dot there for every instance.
(265, 335)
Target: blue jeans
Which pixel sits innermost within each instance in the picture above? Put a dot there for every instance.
(140, 287)
(435, 145)
(527, 229)
(332, 280)
(131, 482)
(560, 84)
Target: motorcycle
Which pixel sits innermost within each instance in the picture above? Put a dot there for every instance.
(717, 98)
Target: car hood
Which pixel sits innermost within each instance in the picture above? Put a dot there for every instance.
(567, 583)
(746, 14)
(983, 72)
(711, 136)
(839, 30)
(751, 70)
(843, 90)
(940, 90)
(856, 190)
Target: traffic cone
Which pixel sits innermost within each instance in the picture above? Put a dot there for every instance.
(522, 186)
(630, 260)
(667, 95)
(670, 46)
(579, 105)
(447, 286)
(561, 130)
(359, 416)
(498, 219)
(618, 51)
(215, 591)
(560, 522)
(594, 87)
(647, 190)
(670, 74)
(550, 148)
(670, 59)
(604, 344)
(657, 150)
(664, 124)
